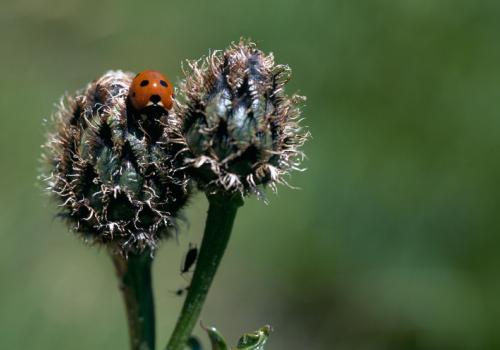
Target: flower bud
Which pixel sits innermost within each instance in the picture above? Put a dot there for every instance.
(111, 169)
(241, 128)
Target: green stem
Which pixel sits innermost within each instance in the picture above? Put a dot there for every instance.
(134, 274)
(221, 213)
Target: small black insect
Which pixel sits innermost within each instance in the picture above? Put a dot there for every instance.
(179, 292)
(190, 259)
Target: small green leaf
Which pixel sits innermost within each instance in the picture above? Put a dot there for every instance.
(249, 341)
(255, 340)
(218, 342)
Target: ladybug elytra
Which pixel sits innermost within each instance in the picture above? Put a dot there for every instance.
(151, 88)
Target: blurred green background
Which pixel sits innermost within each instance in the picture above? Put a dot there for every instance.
(392, 241)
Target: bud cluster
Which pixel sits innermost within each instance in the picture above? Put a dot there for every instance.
(121, 176)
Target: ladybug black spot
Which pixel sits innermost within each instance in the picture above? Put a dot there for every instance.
(144, 82)
(163, 83)
(133, 94)
(155, 98)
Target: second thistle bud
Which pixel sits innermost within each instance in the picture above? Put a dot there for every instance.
(240, 127)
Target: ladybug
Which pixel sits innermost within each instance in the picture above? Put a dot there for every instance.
(151, 88)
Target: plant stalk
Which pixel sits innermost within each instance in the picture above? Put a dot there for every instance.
(220, 218)
(134, 275)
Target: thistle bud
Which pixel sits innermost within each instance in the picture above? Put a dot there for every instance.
(241, 128)
(111, 167)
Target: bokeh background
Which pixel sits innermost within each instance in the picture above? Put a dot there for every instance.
(392, 241)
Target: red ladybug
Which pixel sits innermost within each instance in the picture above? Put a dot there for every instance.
(151, 88)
